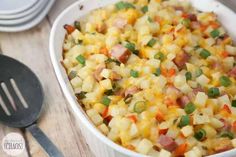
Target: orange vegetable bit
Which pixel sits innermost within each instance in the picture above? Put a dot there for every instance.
(130, 147)
(224, 54)
(159, 116)
(203, 27)
(162, 131)
(234, 126)
(226, 108)
(170, 102)
(168, 72)
(105, 112)
(133, 118)
(181, 149)
(69, 28)
(104, 51)
(171, 72)
(214, 24)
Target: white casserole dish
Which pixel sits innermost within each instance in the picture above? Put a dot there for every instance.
(100, 145)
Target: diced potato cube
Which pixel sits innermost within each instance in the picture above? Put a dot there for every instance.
(113, 134)
(201, 99)
(88, 84)
(210, 131)
(160, 82)
(230, 49)
(216, 123)
(123, 124)
(202, 80)
(179, 80)
(195, 152)
(106, 84)
(144, 146)
(153, 153)
(104, 129)
(185, 88)
(234, 142)
(200, 119)
(105, 73)
(133, 132)
(224, 100)
(99, 107)
(172, 132)
(77, 35)
(164, 153)
(76, 82)
(97, 119)
(91, 112)
(187, 130)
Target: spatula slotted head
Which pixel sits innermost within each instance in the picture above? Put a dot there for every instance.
(21, 95)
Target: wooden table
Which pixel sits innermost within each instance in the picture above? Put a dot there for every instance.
(57, 121)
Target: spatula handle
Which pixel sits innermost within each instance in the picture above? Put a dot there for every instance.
(44, 141)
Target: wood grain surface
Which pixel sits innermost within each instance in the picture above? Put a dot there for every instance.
(57, 121)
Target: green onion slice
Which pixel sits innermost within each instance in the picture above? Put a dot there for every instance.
(225, 81)
(189, 108)
(200, 134)
(185, 120)
(151, 42)
(205, 53)
(134, 73)
(213, 92)
(80, 59)
(106, 101)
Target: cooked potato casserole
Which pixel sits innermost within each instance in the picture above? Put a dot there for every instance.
(155, 76)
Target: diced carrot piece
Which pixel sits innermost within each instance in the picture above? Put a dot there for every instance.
(214, 24)
(226, 108)
(105, 112)
(130, 147)
(169, 102)
(224, 54)
(69, 28)
(234, 126)
(181, 149)
(159, 116)
(164, 72)
(104, 51)
(171, 72)
(133, 118)
(203, 27)
(163, 131)
(185, 15)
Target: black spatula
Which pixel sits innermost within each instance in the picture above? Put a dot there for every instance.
(21, 100)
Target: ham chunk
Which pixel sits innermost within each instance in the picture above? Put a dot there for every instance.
(98, 71)
(120, 53)
(183, 101)
(131, 90)
(181, 59)
(232, 72)
(120, 22)
(167, 142)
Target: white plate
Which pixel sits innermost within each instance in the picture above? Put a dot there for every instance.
(15, 6)
(30, 24)
(26, 18)
(24, 13)
(99, 144)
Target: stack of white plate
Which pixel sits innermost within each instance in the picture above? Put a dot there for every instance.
(19, 15)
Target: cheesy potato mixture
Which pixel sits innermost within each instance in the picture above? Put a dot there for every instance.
(155, 76)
